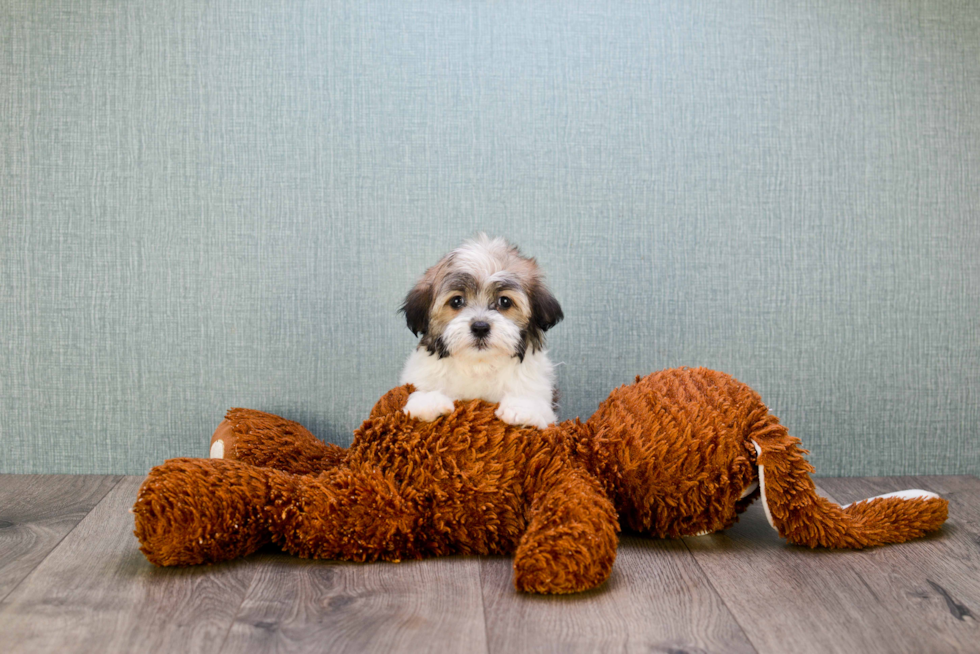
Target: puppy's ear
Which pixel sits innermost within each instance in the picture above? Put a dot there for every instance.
(416, 307)
(545, 310)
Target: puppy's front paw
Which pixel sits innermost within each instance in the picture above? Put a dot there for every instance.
(519, 411)
(428, 405)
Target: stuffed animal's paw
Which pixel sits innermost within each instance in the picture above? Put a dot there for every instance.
(522, 411)
(193, 511)
(428, 405)
(223, 442)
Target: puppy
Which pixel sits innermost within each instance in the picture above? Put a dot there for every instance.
(482, 312)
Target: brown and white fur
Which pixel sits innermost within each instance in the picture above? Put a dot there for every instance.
(482, 311)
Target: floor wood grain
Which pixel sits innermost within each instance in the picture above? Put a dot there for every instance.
(74, 580)
(36, 512)
(934, 582)
(96, 593)
(657, 600)
(297, 605)
(793, 599)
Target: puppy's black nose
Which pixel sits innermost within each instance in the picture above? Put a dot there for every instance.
(480, 328)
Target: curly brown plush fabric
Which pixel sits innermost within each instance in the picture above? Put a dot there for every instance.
(258, 438)
(673, 454)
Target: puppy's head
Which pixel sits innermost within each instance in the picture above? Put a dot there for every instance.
(482, 299)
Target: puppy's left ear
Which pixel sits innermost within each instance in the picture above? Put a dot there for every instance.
(545, 310)
(416, 307)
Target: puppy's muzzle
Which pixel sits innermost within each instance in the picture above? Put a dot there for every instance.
(480, 329)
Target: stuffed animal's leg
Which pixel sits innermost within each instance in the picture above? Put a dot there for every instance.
(570, 542)
(801, 516)
(266, 440)
(352, 514)
(192, 511)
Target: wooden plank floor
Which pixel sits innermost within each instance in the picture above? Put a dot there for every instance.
(72, 579)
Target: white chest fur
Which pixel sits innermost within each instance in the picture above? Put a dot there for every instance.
(490, 378)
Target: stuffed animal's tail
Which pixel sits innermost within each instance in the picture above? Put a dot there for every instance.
(802, 517)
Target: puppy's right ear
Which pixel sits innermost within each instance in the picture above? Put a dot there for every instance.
(416, 307)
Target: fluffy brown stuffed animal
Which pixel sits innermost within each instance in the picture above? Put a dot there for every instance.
(678, 453)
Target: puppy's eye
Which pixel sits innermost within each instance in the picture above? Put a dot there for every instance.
(504, 302)
(457, 302)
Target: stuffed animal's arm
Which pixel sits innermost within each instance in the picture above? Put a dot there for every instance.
(269, 441)
(570, 542)
(393, 400)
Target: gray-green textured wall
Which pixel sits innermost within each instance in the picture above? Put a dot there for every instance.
(215, 204)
